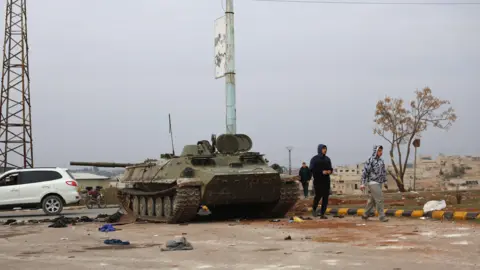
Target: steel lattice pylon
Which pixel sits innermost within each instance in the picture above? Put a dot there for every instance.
(15, 115)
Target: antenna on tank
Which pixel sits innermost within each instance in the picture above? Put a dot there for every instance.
(171, 133)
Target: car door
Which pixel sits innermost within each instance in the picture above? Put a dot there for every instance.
(9, 190)
(35, 184)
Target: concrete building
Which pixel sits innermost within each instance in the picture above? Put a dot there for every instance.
(347, 179)
(91, 180)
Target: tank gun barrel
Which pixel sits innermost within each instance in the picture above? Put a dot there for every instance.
(101, 164)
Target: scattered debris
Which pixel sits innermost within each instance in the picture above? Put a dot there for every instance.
(288, 238)
(62, 222)
(107, 228)
(204, 211)
(434, 206)
(114, 218)
(101, 216)
(10, 221)
(116, 242)
(295, 219)
(179, 243)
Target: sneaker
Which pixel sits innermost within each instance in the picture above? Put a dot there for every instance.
(383, 219)
(365, 217)
(314, 212)
(323, 217)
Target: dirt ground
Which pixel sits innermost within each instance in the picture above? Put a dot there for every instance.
(337, 243)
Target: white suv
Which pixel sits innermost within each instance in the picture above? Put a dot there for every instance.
(46, 188)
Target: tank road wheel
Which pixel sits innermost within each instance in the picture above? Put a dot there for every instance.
(168, 206)
(158, 207)
(143, 205)
(136, 205)
(150, 207)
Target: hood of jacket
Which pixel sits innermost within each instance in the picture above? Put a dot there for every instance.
(375, 150)
(320, 147)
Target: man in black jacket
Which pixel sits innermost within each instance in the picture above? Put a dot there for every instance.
(321, 168)
(305, 176)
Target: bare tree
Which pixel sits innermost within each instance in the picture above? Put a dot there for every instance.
(399, 125)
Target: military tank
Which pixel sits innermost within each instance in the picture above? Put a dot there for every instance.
(223, 175)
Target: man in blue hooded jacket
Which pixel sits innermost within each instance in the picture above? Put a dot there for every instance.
(321, 168)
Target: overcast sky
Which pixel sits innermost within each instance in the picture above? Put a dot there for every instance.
(106, 73)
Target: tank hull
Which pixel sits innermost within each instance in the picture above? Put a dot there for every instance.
(227, 196)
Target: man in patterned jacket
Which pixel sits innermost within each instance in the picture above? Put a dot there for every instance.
(374, 176)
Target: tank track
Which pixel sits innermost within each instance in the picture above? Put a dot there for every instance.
(173, 205)
(289, 195)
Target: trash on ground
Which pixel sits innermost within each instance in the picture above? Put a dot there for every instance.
(288, 238)
(102, 216)
(434, 206)
(114, 218)
(10, 221)
(296, 219)
(204, 211)
(61, 222)
(178, 243)
(116, 242)
(85, 219)
(107, 228)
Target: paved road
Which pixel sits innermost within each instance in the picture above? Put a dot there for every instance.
(38, 214)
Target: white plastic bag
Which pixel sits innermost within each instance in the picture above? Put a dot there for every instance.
(434, 206)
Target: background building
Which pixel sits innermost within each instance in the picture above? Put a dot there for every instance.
(91, 180)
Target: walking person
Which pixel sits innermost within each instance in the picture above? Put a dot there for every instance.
(374, 175)
(305, 176)
(321, 168)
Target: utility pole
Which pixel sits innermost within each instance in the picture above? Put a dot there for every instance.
(231, 118)
(416, 144)
(289, 148)
(15, 108)
(224, 60)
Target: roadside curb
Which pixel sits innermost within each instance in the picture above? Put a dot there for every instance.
(448, 215)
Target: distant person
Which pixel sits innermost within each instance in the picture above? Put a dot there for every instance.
(305, 176)
(374, 175)
(321, 168)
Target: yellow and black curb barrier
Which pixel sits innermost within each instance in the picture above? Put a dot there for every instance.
(447, 215)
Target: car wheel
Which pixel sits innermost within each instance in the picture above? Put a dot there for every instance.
(52, 205)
